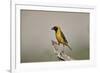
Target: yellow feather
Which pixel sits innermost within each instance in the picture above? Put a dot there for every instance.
(58, 36)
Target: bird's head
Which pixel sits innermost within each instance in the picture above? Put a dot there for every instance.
(55, 28)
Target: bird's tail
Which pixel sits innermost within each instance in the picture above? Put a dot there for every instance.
(68, 46)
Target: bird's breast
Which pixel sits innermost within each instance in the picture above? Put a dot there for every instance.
(59, 37)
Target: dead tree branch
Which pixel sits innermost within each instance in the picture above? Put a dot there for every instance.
(59, 52)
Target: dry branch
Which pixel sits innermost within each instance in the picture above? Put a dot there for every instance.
(59, 52)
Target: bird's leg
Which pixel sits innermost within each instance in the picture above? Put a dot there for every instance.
(63, 45)
(58, 43)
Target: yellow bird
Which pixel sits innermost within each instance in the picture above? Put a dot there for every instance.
(60, 37)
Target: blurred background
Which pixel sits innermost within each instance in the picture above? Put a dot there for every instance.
(36, 34)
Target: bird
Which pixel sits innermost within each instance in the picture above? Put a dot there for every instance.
(60, 37)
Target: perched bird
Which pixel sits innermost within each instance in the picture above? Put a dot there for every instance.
(60, 36)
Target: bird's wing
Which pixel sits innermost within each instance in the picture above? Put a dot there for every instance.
(63, 37)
